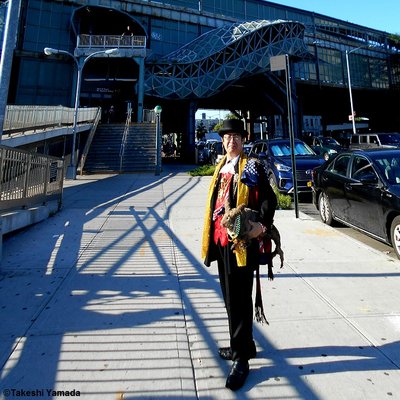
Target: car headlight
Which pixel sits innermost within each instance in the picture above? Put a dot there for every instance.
(332, 151)
(282, 167)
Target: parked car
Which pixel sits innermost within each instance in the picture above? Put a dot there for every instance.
(200, 152)
(204, 151)
(208, 151)
(276, 155)
(247, 148)
(371, 140)
(361, 189)
(216, 153)
(326, 146)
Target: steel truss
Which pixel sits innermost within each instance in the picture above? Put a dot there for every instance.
(221, 57)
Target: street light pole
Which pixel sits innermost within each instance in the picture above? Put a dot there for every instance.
(157, 111)
(291, 132)
(350, 90)
(350, 93)
(7, 54)
(282, 63)
(80, 63)
(71, 169)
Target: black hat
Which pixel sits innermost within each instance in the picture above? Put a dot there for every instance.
(232, 126)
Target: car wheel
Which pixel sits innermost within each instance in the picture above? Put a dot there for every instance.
(395, 235)
(325, 210)
(326, 156)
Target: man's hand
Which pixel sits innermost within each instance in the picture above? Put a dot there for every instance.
(257, 229)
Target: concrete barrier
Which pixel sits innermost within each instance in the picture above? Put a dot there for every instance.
(13, 220)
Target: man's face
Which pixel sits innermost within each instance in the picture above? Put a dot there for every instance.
(233, 144)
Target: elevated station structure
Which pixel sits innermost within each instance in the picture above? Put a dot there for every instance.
(223, 56)
(191, 54)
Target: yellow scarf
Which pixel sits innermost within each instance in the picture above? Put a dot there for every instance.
(242, 198)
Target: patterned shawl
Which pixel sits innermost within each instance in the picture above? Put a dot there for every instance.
(242, 198)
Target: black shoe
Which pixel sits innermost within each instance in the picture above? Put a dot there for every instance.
(225, 353)
(238, 374)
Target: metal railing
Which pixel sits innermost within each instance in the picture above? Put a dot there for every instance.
(125, 136)
(28, 179)
(149, 116)
(111, 41)
(26, 118)
(89, 140)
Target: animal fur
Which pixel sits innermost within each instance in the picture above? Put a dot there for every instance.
(240, 236)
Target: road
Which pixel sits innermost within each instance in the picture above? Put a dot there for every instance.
(306, 206)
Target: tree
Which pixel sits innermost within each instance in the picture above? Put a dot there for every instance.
(228, 116)
(396, 38)
(200, 131)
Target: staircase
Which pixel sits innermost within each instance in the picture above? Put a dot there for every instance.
(140, 148)
(139, 153)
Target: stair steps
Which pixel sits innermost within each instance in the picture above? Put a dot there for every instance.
(139, 154)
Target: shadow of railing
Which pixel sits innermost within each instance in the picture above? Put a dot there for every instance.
(124, 291)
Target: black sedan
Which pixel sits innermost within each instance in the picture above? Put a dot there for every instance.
(361, 189)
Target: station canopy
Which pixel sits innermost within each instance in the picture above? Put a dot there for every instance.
(221, 57)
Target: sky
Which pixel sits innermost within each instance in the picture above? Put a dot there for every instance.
(377, 14)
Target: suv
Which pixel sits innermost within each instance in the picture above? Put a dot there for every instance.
(370, 140)
(276, 155)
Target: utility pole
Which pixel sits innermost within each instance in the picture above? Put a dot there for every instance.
(282, 63)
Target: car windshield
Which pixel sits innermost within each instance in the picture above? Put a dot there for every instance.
(390, 138)
(283, 149)
(329, 141)
(217, 147)
(247, 148)
(390, 168)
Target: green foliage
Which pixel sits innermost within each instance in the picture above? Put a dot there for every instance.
(203, 170)
(219, 124)
(284, 200)
(395, 37)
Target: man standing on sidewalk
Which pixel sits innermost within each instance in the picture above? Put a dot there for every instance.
(238, 180)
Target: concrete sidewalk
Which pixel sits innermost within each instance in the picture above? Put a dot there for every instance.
(109, 299)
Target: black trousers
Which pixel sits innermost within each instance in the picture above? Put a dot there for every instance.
(237, 287)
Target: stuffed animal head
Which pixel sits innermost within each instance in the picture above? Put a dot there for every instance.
(232, 221)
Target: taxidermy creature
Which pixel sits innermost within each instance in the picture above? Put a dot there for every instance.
(237, 222)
